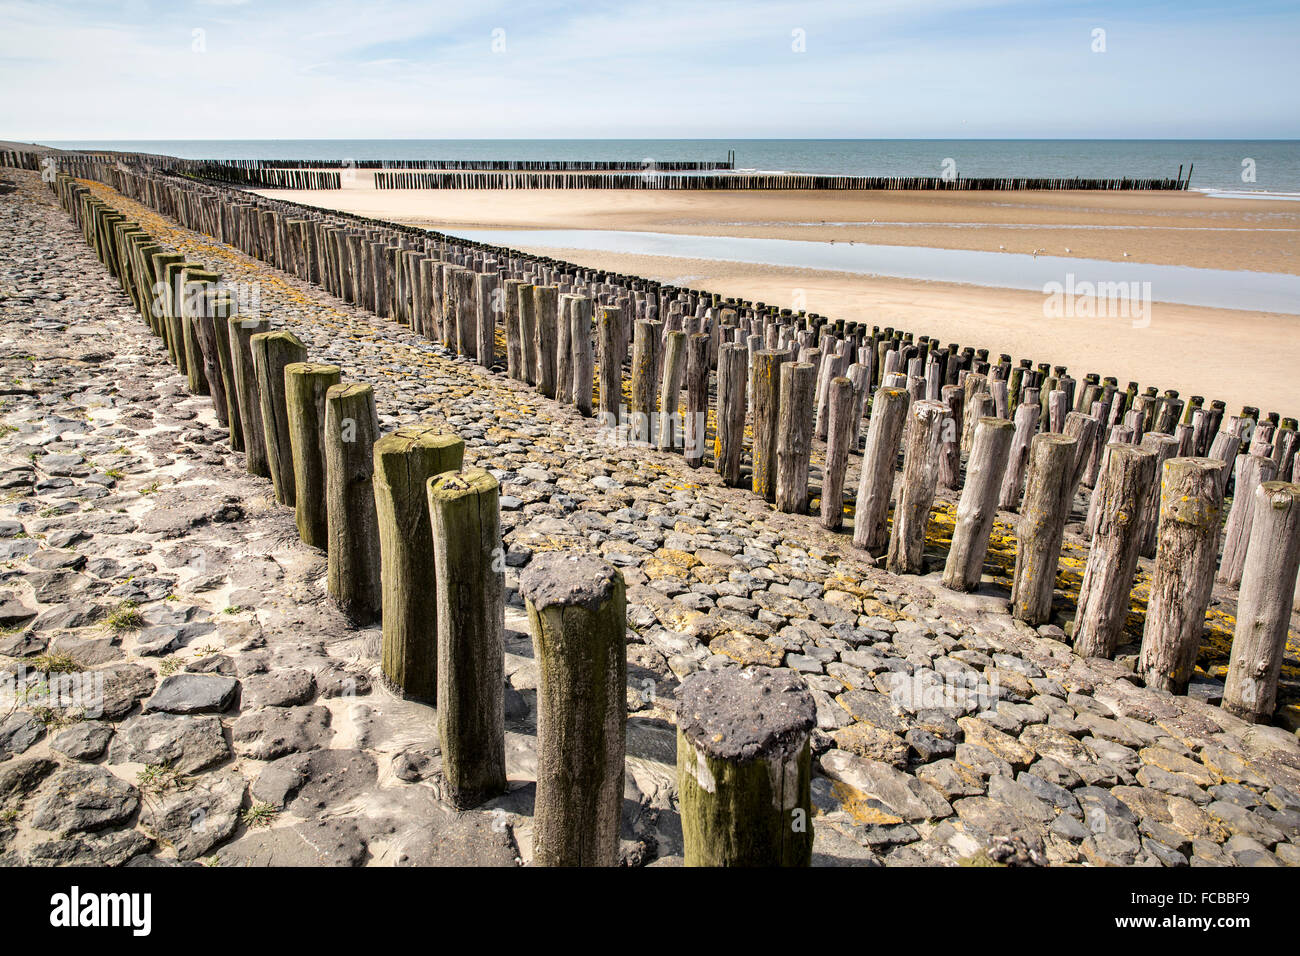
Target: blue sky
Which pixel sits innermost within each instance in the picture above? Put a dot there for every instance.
(137, 69)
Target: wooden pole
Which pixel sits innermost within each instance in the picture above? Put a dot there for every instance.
(744, 767)
(879, 459)
(305, 385)
(577, 612)
(528, 333)
(404, 462)
(926, 422)
(271, 352)
(487, 301)
(611, 364)
(1041, 530)
(1164, 447)
(674, 368)
(765, 395)
(1191, 506)
(351, 427)
(1026, 426)
(470, 586)
(1252, 471)
(730, 428)
(546, 302)
(841, 430)
(795, 435)
(978, 506)
(1265, 602)
(583, 358)
(244, 380)
(697, 398)
(644, 345)
(1104, 597)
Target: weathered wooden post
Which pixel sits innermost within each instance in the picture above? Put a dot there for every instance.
(1026, 425)
(840, 432)
(879, 459)
(272, 351)
(950, 453)
(1041, 530)
(528, 332)
(1252, 471)
(577, 611)
(978, 506)
(514, 340)
(1191, 506)
(404, 462)
(1265, 602)
(564, 349)
(244, 379)
(916, 488)
(1123, 490)
(729, 441)
(583, 357)
(744, 767)
(765, 395)
(465, 518)
(465, 282)
(644, 381)
(674, 368)
(1164, 447)
(795, 435)
(487, 300)
(351, 427)
(305, 385)
(546, 303)
(697, 398)
(611, 365)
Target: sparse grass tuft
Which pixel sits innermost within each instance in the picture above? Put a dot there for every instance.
(55, 664)
(125, 617)
(159, 778)
(259, 815)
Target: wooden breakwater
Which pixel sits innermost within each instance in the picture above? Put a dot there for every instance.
(535, 165)
(1156, 468)
(656, 179)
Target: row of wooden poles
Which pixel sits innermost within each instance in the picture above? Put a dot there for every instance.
(796, 377)
(536, 165)
(656, 179)
(413, 538)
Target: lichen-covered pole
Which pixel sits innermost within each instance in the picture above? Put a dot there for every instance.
(916, 488)
(464, 514)
(730, 430)
(244, 380)
(1191, 509)
(744, 767)
(1123, 490)
(404, 462)
(577, 611)
(879, 459)
(795, 435)
(305, 385)
(978, 505)
(1264, 605)
(353, 574)
(1041, 530)
(272, 351)
(840, 431)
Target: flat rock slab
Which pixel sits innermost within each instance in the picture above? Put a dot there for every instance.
(282, 688)
(199, 817)
(82, 799)
(123, 686)
(275, 731)
(308, 783)
(186, 744)
(18, 732)
(83, 741)
(333, 842)
(193, 694)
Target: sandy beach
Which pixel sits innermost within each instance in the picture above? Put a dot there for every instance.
(1184, 347)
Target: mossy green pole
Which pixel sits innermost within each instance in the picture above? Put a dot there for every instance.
(353, 572)
(272, 351)
(577, 609)
(744, 767)
(305, 385)
(470, 574)
(404, 462)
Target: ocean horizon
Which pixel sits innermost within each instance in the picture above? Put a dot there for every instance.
(1259, 167)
